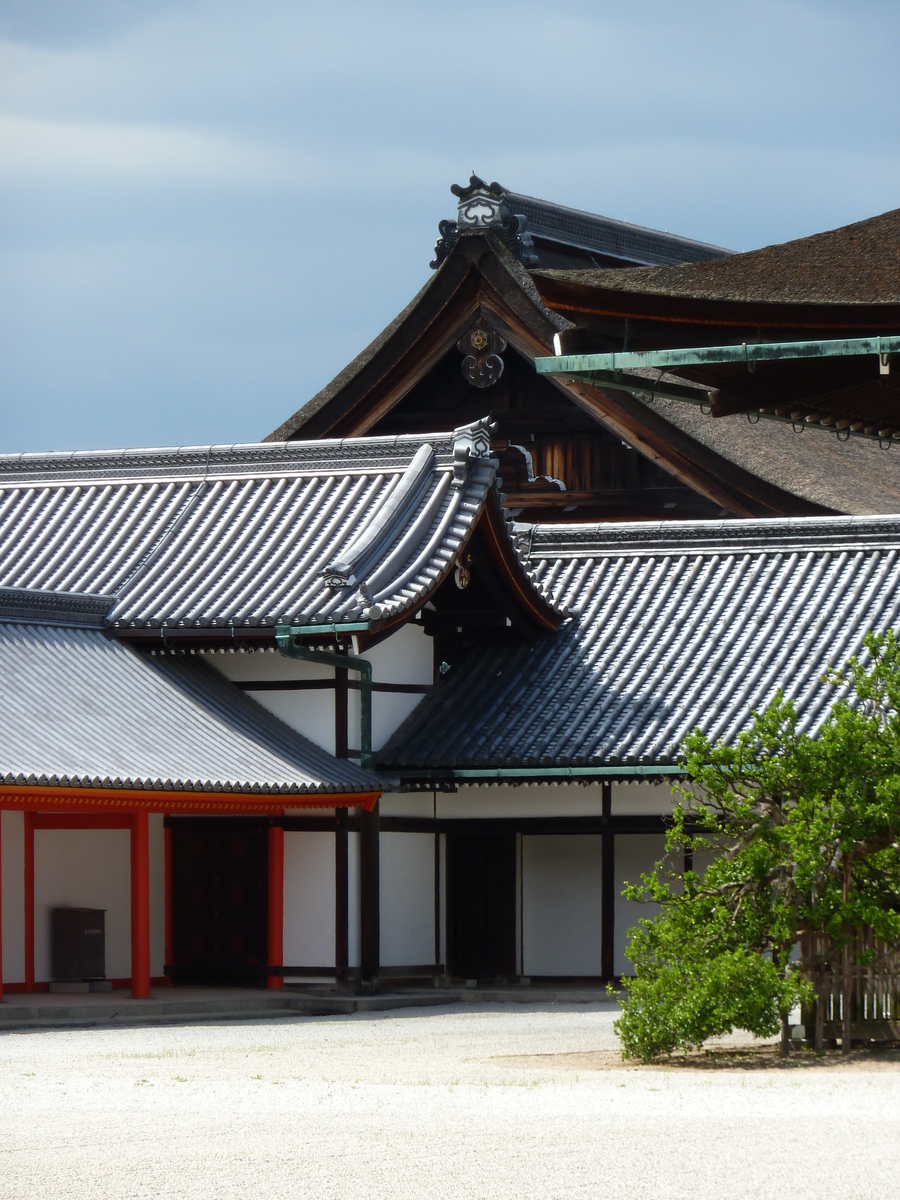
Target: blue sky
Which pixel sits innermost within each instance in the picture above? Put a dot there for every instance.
(207, 208)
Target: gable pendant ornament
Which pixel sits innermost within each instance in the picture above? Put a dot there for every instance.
(482, 365)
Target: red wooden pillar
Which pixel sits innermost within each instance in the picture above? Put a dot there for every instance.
(170, 945)
(1, 908)
(29, 901)
(276, 904)
(140, 905)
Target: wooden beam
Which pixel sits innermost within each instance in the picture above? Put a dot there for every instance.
(29, 901)
(140, 905)
(369, 898)
(93, 800)
(275, 890)
(169, 901)
(607, 891)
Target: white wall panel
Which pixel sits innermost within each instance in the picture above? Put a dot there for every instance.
(561, 875)
(407, 656)
(407, 804)
(84, 868)
(510, 800)
(407, 899)
(645, 799)
(12, 866)
(636, 853)
(308, 899)
(309, 712)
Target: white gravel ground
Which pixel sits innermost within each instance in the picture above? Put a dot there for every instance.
(417, 1104)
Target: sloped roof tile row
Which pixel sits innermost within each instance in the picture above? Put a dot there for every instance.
(79, 709)
(670, 627)
(246, 535)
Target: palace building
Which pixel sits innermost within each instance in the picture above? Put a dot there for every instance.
(397, 695)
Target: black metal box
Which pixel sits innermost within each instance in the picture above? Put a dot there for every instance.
(78, 943)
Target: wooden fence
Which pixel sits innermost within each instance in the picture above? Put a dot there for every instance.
(874, 987)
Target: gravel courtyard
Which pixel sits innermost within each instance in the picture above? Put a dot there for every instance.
(467, 1101)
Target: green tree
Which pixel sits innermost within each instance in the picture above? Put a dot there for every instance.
(800, 833)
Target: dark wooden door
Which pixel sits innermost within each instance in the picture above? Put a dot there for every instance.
(219, 901)
(481, 905)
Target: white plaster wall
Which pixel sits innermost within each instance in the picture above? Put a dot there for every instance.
(12, 875)
(83, 868)
(538, 800)
(309, 712)
(309, 899)
(407, 899)
(389, 711)
(635, 853)
(407, 804)
(405, 657)
(642, 799)
(561, 875)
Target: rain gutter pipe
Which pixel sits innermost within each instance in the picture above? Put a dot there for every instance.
(286, 638)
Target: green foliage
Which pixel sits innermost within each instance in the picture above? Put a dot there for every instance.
(800, 834)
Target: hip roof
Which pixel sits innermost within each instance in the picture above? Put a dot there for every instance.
(670, 627)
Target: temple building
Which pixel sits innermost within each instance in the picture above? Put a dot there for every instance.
(397, 695)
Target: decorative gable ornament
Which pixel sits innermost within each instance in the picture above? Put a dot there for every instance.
(483, 207)
(482, 347)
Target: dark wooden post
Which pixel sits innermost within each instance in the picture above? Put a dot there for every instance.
(168, 868)
(341, 839)
(275, 939)
(1, 913)
(607, 890)
(29, 901)
(369, 887)
(341, 898)
(140, 905)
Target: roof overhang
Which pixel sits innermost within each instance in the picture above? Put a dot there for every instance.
(96, 800)
(828, 396)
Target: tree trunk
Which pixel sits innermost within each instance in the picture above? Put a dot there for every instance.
(846, 991)
(820, 1009)
(785, 1046)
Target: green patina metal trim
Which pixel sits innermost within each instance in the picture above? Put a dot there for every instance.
(286, 637)
(695, 356)
(329, 629)
(537, 772)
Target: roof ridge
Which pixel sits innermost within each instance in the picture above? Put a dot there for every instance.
(40, 606)
(698, 536)
(210, 460)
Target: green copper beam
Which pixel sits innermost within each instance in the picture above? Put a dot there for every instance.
(697, 356)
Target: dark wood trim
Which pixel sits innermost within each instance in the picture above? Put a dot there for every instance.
(320, 824)
(341, 897)
(369, 897)
(284, 685)
(607, 888)
(528, 825)
(340, 712)
(327, 685)
(438, 907)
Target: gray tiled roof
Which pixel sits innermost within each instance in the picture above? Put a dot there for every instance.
(78, 709)
(334, 530)
(607, 236)
(671, 626)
